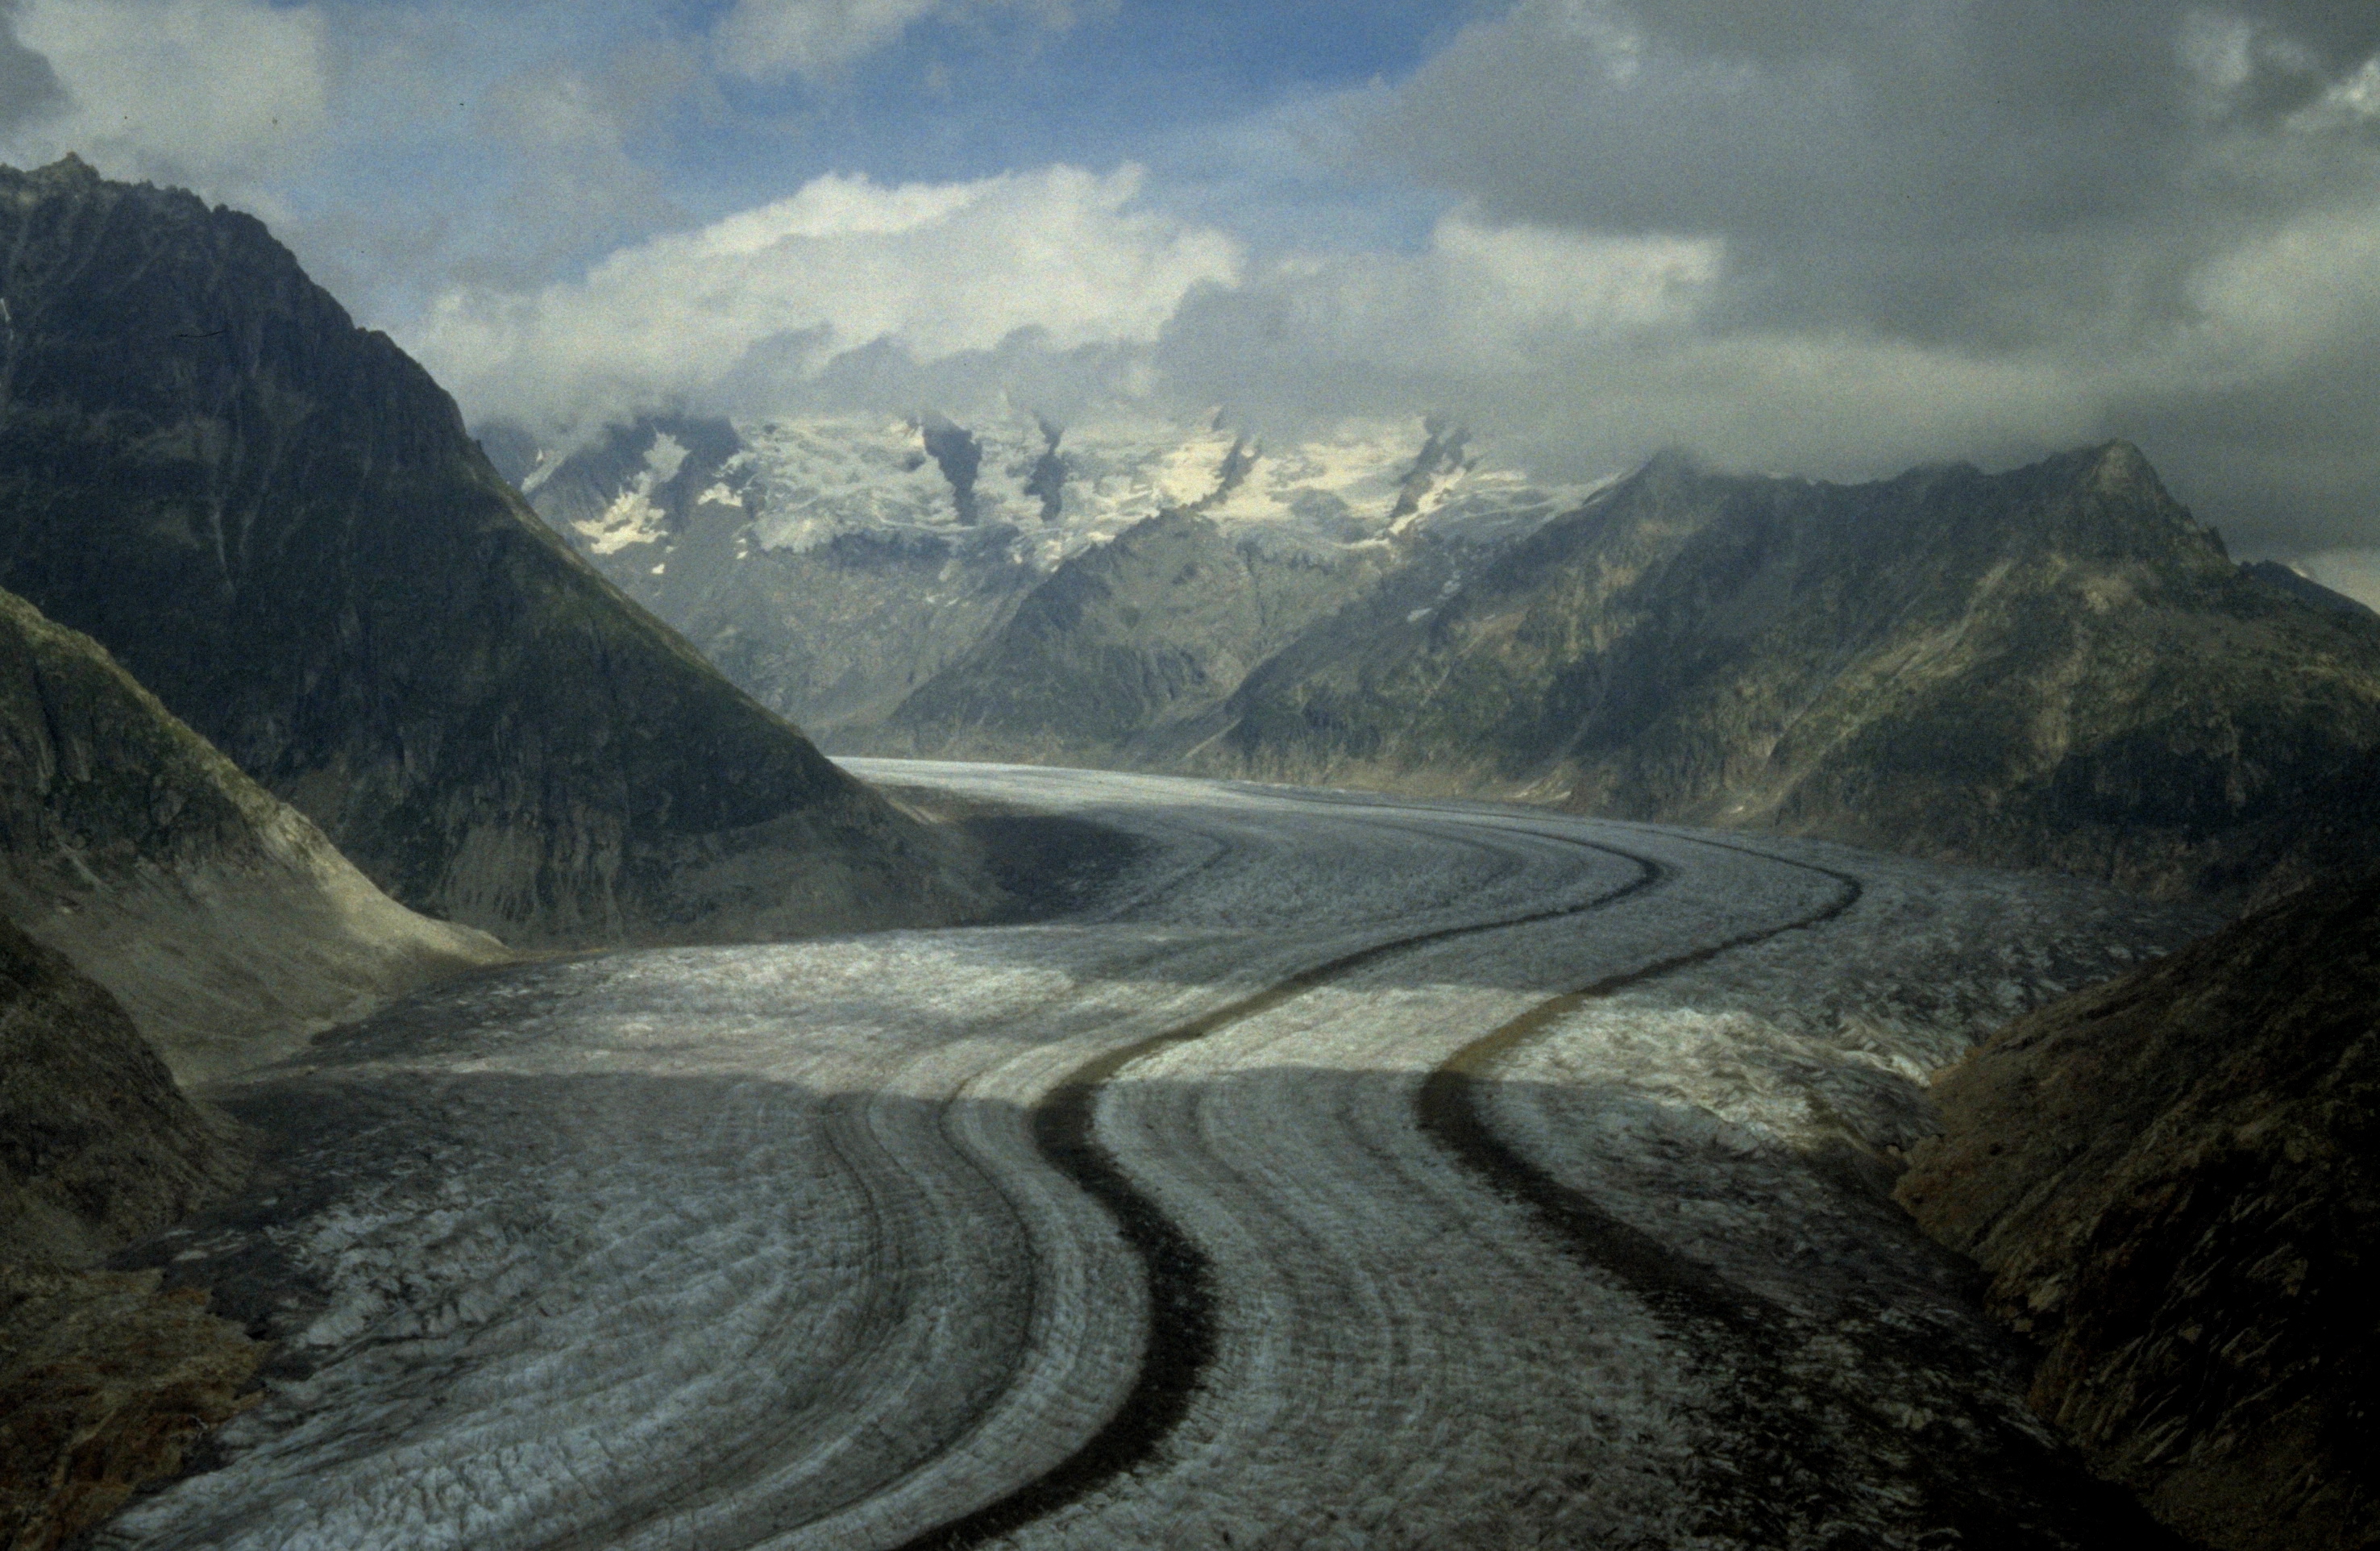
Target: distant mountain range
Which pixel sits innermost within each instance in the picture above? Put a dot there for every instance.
(2052, 666)
(832, 567)
(275, 521)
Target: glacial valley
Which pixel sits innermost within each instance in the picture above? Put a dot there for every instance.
(1335, 1170)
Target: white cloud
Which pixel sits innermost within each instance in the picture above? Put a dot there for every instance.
(936, 270)
(223, 95)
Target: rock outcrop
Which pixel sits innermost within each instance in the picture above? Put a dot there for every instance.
(276, 522)
(218, 915)
(2173, 1182)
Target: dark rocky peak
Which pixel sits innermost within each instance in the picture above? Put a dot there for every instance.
(1235, 469)
(959, 456)
(1048, 479)
(665, 460)
(278, 522)
(1440, 457)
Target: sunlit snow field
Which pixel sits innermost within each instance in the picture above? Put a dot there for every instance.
(754, 1246)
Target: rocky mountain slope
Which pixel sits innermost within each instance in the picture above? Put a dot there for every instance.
(276, 521)
(830, 618)
(219, 916)
(1128, 645)
(97, 1144)
(2173, 1182)
(104, 1381)
(2055, 666)
(2051, 667)
(834, 566)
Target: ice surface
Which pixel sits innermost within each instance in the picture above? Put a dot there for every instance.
(751, 1246)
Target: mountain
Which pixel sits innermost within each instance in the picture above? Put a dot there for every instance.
(276, 521)
(2173, 1182)
(2052, 666)
(737, 539)
(219, 916)
(833, 567)
(2056, 666)
(2305, 589)
(1128, 643)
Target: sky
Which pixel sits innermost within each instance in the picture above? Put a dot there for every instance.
(1830, 238)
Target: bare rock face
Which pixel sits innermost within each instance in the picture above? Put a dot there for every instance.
(218, 915)
(97, 1145)
(276, 522)
(2173, 1180)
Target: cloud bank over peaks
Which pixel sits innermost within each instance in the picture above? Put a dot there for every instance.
(765, 301)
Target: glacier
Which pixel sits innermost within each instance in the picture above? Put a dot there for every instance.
(759, 1246)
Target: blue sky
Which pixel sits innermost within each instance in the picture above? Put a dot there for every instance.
(1832, 237)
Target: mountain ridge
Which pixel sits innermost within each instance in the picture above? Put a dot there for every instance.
(276, 520)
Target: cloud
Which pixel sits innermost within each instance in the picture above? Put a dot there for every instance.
(1985, 173)
(226, 96)
(819, 40)
(1584, 353)
(766, 40)
(1992, 226)
(29, 88)
(772, 296)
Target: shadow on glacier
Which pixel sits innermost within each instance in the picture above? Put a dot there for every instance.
(534, 1172)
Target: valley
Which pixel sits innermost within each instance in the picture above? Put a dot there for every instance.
(1337, 1170)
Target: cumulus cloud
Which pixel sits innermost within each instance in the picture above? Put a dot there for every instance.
(1583, 353)
(772, 296)
(29, 87)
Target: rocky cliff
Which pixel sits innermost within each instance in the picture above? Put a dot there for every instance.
(97, 1144)
(2173, 1182)
(274, 519)
(2055, 666)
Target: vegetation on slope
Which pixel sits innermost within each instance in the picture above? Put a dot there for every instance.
(104, 1383)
